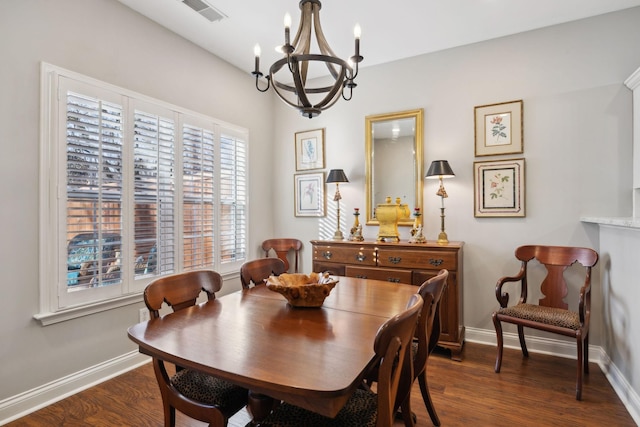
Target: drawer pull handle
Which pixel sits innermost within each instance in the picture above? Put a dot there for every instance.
(436, 262)
(361, 257)
(327, 254)
(393, 280)
(395, 259)
(360, 276)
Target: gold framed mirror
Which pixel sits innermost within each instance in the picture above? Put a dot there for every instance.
(393, 156)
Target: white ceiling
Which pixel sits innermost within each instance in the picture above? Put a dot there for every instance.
(390, 31)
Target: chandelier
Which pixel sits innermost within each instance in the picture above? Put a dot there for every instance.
(288, 75)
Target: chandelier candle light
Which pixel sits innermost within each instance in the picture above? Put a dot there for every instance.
(337, 176)
(291, 86)
(440, 169)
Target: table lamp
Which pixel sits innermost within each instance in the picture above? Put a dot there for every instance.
(337, 176)
(440, 169)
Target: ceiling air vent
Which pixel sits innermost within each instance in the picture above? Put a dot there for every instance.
(204, 9)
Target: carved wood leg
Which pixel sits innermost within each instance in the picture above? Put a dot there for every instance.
(586, 354)
(498, 327)
(259, 406)
(426, 396)
(580, 368)
(523, 344)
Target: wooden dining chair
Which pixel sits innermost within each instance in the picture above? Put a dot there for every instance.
(257, 270)
(552, 313)
(426, 339)
(282, 247)
(195, 394)
(365, 408)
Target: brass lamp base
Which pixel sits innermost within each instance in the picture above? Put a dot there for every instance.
(442, 237)
(338, 235)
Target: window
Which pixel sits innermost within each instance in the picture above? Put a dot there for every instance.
(132, 189)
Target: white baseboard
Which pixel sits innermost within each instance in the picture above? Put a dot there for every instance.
(39, 397)
(559, 348)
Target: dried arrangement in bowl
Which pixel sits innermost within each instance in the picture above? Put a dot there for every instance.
(301, 290)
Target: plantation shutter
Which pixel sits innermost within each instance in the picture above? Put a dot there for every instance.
(233, 199)
(154, 194)
(198, 197)
(94, 138)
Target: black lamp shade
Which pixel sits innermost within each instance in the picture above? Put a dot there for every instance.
(440, 168)
(336, 175)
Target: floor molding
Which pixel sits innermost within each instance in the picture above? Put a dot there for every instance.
(39, 397)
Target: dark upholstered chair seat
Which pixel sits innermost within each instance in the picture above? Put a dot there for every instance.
(541, 314)
(210, 390)
(359, 411)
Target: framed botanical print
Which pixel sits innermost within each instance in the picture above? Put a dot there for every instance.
(310, 150)
(499, 188)
(498, 129)
(309, 195)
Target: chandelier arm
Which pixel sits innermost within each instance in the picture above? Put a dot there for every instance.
(323, 44)
(268, 84)
(299, 82)
(350, 92)
(333, 94)
(302, 42)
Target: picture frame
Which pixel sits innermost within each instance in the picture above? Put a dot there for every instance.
(309, 194)
(499, 188)
(498, 129)
(309, 150)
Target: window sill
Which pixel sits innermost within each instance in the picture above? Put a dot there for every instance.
(51, 318)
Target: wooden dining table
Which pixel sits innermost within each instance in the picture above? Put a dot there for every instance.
(311, 357)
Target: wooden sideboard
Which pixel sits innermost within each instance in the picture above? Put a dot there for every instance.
(410, 263)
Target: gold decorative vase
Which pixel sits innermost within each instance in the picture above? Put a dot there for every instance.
(388, 215)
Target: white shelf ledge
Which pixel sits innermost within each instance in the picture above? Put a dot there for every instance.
(625, 222)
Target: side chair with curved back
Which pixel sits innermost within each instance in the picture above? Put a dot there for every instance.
(552, 313)
(257, 270)
(426, 339)
(195, 394)
(365, 408)
(282, 247)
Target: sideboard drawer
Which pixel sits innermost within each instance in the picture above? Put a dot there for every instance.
(347, 255)
(417, 259)
(388, 275)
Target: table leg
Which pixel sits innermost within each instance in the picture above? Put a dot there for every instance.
(259, 406)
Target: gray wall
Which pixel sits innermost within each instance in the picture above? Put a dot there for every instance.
(577, 139)
(108, 41)
(577, 145)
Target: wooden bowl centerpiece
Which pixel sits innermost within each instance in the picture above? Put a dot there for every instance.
(301, 290)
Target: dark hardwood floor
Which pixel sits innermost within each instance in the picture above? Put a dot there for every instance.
(539, 391)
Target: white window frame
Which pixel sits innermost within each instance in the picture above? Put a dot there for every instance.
(52, 234)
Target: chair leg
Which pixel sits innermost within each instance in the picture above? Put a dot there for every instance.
(586, 354)
(407, 415)
(523, 344)
(169, 416)
(498, 326)
(580, 368)
(426, 396)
